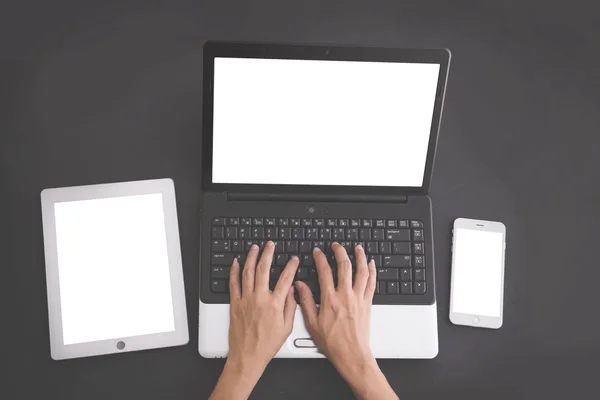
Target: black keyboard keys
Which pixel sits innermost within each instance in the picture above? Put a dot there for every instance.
(419, 248)
(387, 274)
(218, 286)
(406, 288)
(401, 247)
(419, 274)
(420, 287)
(392, 288)
(397, 261)
(217, 233)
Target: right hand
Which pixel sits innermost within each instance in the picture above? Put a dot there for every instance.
(341, 328)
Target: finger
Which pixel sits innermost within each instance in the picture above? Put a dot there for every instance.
(308, 305)
(371, 282)
(289, 309)
(234, 281)
(249, 270)
(362, 271)
(323, 270)
(286, 278)
(344, 267)
(264, 267)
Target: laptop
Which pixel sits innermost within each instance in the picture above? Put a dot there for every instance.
(307, 145)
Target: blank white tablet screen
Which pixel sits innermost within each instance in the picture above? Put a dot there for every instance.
(113, 268)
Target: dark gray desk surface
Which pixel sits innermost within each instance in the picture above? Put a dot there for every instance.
(111, 92)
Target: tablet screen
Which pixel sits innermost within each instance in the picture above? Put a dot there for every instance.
(113, 268)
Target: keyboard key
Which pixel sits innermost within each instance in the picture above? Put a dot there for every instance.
(325, 233)
(347, 245)
(249, 243)
(291, 246)
(283, 222)
(295, 221)
(320, 222)
(271, 233)
(417, 235)
(342, 222)
(275, 273)
(365, 234)
(270, 221)
(367, 223)
(237, 246)
(241, 259)
(257, 221)
(387, 274)
(397, 261)
(220, 245)
(217, 233)
(307, 260)
(338, 234)
(219, 272)
(302, 273)
(221, 259)
(285, 233)
(331, 222)
(416, 224)
(406, 274)
(218, 286)
(305, 246)
(351, 234)
(279, 246)
(392, 288)
(372, 248)
(231, 233)
(312, 233)
(258, 233)
(378, 288)
(403, 223)
(298, 233)
(355, 223)
(385, 248)
(233, 221)
(392, 223)
(354, 244)
(376, 258)
(418, 248)
(306, 222)
(419, 261)
(243, 232)
(281, 260)
(419, 274)
(401, 247)
(420, 287)
(379, 223)
(245, 221)
(378, 234)
(320, 244)
(398, 235)
(218, 221)
(405, 288)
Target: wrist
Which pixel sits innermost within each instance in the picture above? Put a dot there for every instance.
(366, 379)
(237, 379)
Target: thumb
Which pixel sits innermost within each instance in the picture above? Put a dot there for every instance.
(307, 303)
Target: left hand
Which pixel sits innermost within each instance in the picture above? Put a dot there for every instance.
(260, 321)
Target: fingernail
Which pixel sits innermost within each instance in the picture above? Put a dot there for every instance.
(270, 244)
(295, 258)
(359, 247)
(317, 250)
(254, 247)
(372, 263)
(235, 261)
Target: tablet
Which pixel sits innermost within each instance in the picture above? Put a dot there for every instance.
(113, 268)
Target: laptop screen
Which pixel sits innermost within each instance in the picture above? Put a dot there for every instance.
(322, 122)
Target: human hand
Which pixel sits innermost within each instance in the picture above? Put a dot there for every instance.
(341, 327)
(260, 321)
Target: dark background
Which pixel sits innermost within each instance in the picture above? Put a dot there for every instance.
(110, 91)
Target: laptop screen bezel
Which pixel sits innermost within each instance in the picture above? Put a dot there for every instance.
(212, 49)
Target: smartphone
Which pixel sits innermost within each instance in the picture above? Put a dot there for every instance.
(477, 283)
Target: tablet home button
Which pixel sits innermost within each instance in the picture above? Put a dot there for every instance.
(476, 320)
(120, 345)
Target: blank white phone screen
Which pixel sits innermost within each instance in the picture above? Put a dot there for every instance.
(315, 122)
(477, 270)
(113, 268)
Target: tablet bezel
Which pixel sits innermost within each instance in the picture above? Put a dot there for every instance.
(180, 336)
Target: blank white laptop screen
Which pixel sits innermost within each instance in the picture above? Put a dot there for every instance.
(477, 272)
(313, 122)
(113, 268)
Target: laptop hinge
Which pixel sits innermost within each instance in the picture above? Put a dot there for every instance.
(351, 198)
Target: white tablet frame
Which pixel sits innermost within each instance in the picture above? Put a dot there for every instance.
(180, 336)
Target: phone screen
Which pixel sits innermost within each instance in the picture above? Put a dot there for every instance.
(477, 272)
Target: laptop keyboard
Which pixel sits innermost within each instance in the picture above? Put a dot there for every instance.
(397, 246)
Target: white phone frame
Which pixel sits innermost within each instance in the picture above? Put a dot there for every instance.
(474, 320)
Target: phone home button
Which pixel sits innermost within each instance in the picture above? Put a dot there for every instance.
(475, 320)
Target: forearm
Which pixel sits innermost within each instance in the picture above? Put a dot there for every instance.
(367, 381)
(236, 381)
